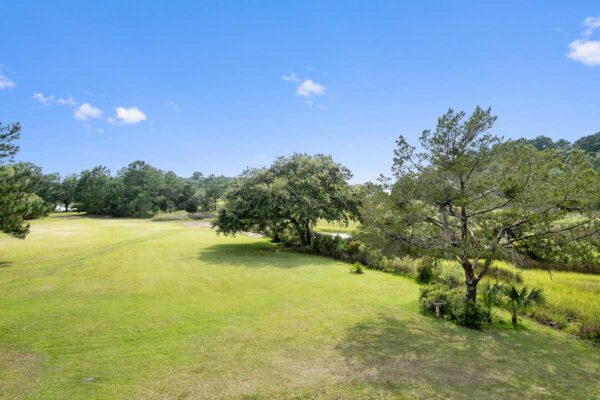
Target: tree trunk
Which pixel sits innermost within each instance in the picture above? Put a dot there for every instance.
(304, 234)
(471, 291)
(308, 236)
(514, 319)
(66, 206)
(470, 280)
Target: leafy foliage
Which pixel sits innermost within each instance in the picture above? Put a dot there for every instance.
(590, 144)
(519, 299)
(471, 196)
(17, 201)
(292, 194)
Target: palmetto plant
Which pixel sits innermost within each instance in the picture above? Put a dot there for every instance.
(521, 298)
(489, 297)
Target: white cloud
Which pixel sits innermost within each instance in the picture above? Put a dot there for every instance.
(591, 23)
(131, 115)
(87, 111)
(42, 99)
(292, 77)
(5, 83)
(69, 101)
(310, 88)
(585, 51)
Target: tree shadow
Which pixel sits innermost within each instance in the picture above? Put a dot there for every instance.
(460, 363)
(254, 255)
(5, 264)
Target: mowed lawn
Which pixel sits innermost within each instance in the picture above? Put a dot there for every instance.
(95, 308)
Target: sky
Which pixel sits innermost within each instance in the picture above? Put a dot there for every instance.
(220, 86)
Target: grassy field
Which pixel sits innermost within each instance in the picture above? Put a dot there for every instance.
(572, 297)
(95, 308)
(336, 227)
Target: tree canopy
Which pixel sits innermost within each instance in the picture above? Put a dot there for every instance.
(17, 201)
(292, 194)
(472, 196)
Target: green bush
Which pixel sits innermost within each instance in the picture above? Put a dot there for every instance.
(356, 268)
(425, 270)
(356, 251)
(328, 245)
(451, 276)
(171, 216)
(396, 265)
(468, 314)
(431, 294)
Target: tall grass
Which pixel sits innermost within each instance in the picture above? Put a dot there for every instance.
(573, 298)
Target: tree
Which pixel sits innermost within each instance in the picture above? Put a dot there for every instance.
(46, 186)
(520, 299)
(175, 192)
(544, 143)
(293, 193)
(93, 190)
(208, 189)
(9, 134)
(141, 184)
(471, 196)
(16, 201)
(590, 144)
(68, 189)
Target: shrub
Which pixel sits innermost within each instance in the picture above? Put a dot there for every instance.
(172, 216)
(468, 314)
(356, 251)
(451, 276)
(404, 266)
(431, 294)
(519, 299)
(196, 216)
(425, 270)
(356, 268)
(328, 245)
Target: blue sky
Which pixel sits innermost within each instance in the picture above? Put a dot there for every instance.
(219, 86)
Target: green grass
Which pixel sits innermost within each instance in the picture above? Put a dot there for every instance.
(97, 308)
(336, 227)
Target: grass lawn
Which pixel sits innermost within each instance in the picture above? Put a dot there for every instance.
(94, 308)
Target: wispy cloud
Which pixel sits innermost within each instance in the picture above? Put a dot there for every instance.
(586, 50)
(86, 111)
(5, 82)
(129, 116)
(591, 24)
(50, 99)
(68, 101)
(45, 100)
(291, 77)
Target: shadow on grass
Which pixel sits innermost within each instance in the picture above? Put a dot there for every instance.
(5, 264)
(255, 255)
(460, 363)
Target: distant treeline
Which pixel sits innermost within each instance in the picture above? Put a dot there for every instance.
(137, 190)
(141, 190)
(590, 144)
